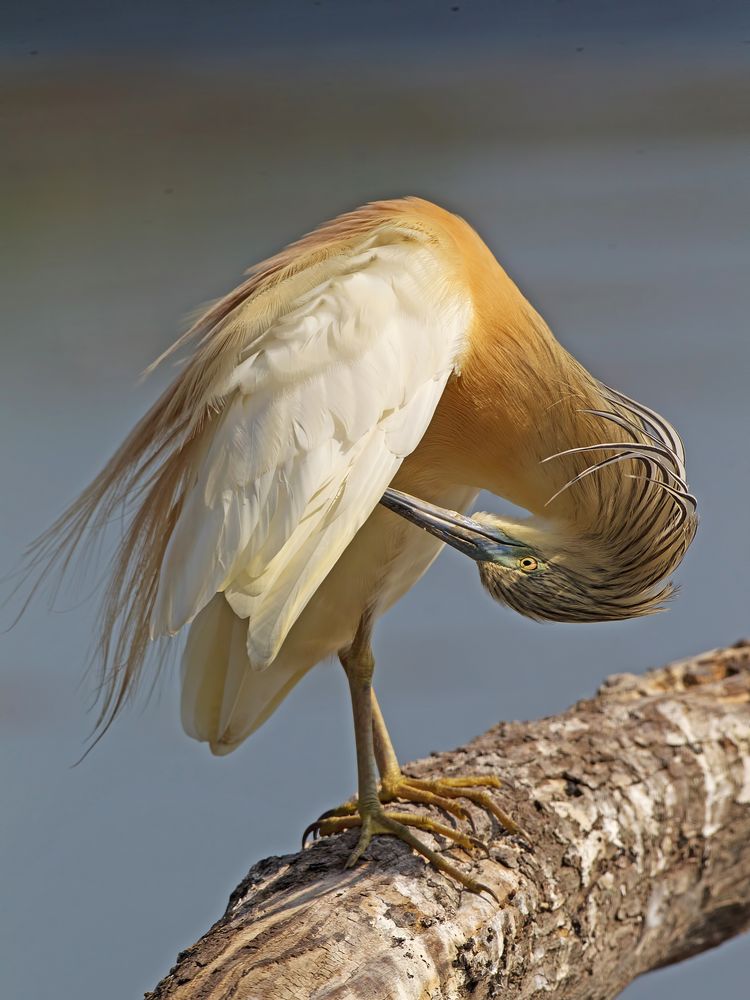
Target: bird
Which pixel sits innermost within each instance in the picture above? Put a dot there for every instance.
(332, 420)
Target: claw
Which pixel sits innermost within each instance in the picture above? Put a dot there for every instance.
(313, 829)
(480, 887)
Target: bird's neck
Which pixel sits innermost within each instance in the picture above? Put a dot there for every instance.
(516, 401)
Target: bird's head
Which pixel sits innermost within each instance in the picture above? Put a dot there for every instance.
(548, 574)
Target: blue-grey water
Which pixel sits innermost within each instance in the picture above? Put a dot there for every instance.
(610, 177)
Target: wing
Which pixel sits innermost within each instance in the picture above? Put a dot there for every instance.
(315, 417)
(305, 388)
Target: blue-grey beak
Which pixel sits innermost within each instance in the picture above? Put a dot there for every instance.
(478, 541)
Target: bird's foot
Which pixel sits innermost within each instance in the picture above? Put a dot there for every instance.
(397, 786)
(347, 817)
(442, 792)
(376, 820)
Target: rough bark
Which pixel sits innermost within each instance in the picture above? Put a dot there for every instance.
(637, 802)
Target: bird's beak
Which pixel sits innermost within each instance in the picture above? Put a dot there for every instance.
(478, 541)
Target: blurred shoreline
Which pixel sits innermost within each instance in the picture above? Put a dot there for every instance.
(528, 99)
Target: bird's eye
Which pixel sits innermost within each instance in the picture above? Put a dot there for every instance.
(528, 564)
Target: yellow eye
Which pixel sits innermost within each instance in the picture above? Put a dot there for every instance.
(528, 564)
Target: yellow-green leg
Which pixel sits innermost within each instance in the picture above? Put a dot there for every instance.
(440, 792)
(370, 816)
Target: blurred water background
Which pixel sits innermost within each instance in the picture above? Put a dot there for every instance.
(151, 152)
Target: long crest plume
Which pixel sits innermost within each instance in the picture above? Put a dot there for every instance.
(643, 530)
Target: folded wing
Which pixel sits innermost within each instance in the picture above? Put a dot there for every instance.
(313, 421)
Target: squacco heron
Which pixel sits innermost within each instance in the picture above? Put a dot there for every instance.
(270, 494)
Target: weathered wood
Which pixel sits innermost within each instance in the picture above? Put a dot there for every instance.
(638, 805)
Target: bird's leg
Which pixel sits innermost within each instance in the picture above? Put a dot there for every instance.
(385, 755)
(392, 778)
(359, 663)
(440, 792)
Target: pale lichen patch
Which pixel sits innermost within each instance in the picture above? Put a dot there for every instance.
(589, 850)
(581, 811)
(715, 790)
(743, 796)
(642, 802)
(654, 916)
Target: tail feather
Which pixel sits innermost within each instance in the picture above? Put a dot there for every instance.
(223, 699)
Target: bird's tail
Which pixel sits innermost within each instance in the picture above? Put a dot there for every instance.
(223, 699)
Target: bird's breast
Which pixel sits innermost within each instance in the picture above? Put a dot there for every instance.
(382, 562)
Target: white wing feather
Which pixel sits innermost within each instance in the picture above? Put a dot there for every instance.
(316, 418)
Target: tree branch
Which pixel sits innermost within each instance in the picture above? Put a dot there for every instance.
(638, 805)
